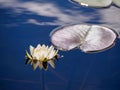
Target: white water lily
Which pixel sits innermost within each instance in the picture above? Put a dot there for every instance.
(41, 56)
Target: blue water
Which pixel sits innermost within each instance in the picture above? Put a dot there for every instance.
(27, 22)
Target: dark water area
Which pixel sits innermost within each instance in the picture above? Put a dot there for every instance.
(26, 22)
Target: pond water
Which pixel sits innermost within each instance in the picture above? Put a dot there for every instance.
(27, 22)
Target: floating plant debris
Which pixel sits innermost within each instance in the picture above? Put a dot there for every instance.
(97, 3)
(41, 56)
(88, 38)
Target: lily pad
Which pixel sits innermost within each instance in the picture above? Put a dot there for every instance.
(116, 2)
(88, 38)
(97, 3)
(94, 3)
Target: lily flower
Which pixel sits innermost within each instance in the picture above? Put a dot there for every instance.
(41, 56)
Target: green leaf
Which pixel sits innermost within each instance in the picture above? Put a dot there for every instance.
(28, 55)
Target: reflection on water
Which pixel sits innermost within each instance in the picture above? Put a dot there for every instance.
(25, 23)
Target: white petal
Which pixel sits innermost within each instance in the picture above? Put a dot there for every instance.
(56, 52)
(31, 49)
(40, 65)
(51, 54)
(46, 48)
(43, 46)
(38, 46)
(51, 62)
(43, 52)
(35, 65)
(49, 49)
(93, 3)
(36, 53)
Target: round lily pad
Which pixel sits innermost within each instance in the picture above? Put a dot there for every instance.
(88, 38)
